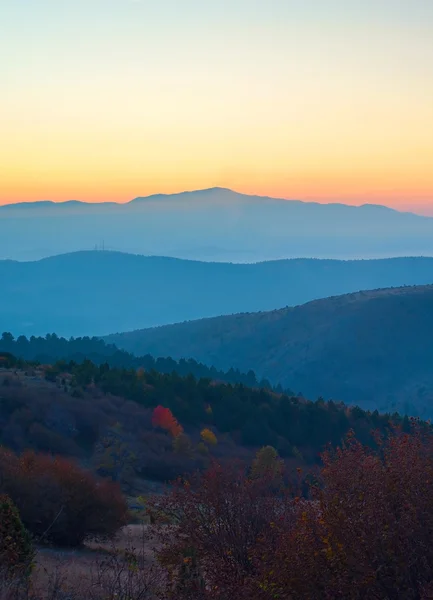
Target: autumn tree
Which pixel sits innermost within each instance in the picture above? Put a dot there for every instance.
(182, 445)
(267, 461)
(219, 517)
(208, 436)
(60, 501)
(364, 531)
(367, 531)
(202, 449)
(163, 417)
(113, 457)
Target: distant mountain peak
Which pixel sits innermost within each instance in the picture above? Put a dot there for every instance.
(377, 207)
(213, 189)
(206, 191)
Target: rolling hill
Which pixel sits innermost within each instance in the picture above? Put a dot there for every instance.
(82, 410)
(214, 225)
(95, 293)
(371, 348)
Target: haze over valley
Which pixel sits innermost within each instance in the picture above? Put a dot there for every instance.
(98, 293)
(214, 225)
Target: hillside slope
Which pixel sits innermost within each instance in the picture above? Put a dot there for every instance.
(95, 293)
(51, 349)
(214, 225)
(104, 416)
(372, 348)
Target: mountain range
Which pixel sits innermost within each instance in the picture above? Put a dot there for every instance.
(370, 348)
(213, 225)
(97, 293)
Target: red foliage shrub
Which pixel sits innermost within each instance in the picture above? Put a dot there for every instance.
(58, 501)
(164, 418)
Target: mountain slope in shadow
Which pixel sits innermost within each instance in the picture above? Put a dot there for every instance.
(372, 348)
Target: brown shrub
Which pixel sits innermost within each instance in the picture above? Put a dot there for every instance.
(218, 517)
(368, 533)
(58, 501)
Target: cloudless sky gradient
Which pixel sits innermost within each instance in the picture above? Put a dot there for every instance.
(328, 100)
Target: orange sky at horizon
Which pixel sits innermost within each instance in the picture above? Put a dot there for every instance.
(397, 197)
(327, 101)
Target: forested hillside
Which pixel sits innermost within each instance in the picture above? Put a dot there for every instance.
(52, 348)
(369, 348)
(97, 293)
(109, 416)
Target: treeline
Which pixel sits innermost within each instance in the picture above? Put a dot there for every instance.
(251, 417)
(51, 348)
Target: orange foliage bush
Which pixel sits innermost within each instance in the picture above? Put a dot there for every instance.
(163, 417)
(58, 501)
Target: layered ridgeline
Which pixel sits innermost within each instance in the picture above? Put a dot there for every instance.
(216, 225)
(371, 348)
(97, 293)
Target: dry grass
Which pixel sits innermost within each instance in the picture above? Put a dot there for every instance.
(122, 569)
(131, 536)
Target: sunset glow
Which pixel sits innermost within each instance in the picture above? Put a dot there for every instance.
(112, 99)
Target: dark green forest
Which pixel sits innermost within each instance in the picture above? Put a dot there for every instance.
(51, 348)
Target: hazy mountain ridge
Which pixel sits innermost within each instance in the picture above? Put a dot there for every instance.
(207, 194)
(95, 293)
(369, 348)
(214, 225)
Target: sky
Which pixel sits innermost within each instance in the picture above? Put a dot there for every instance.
(324, 100)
